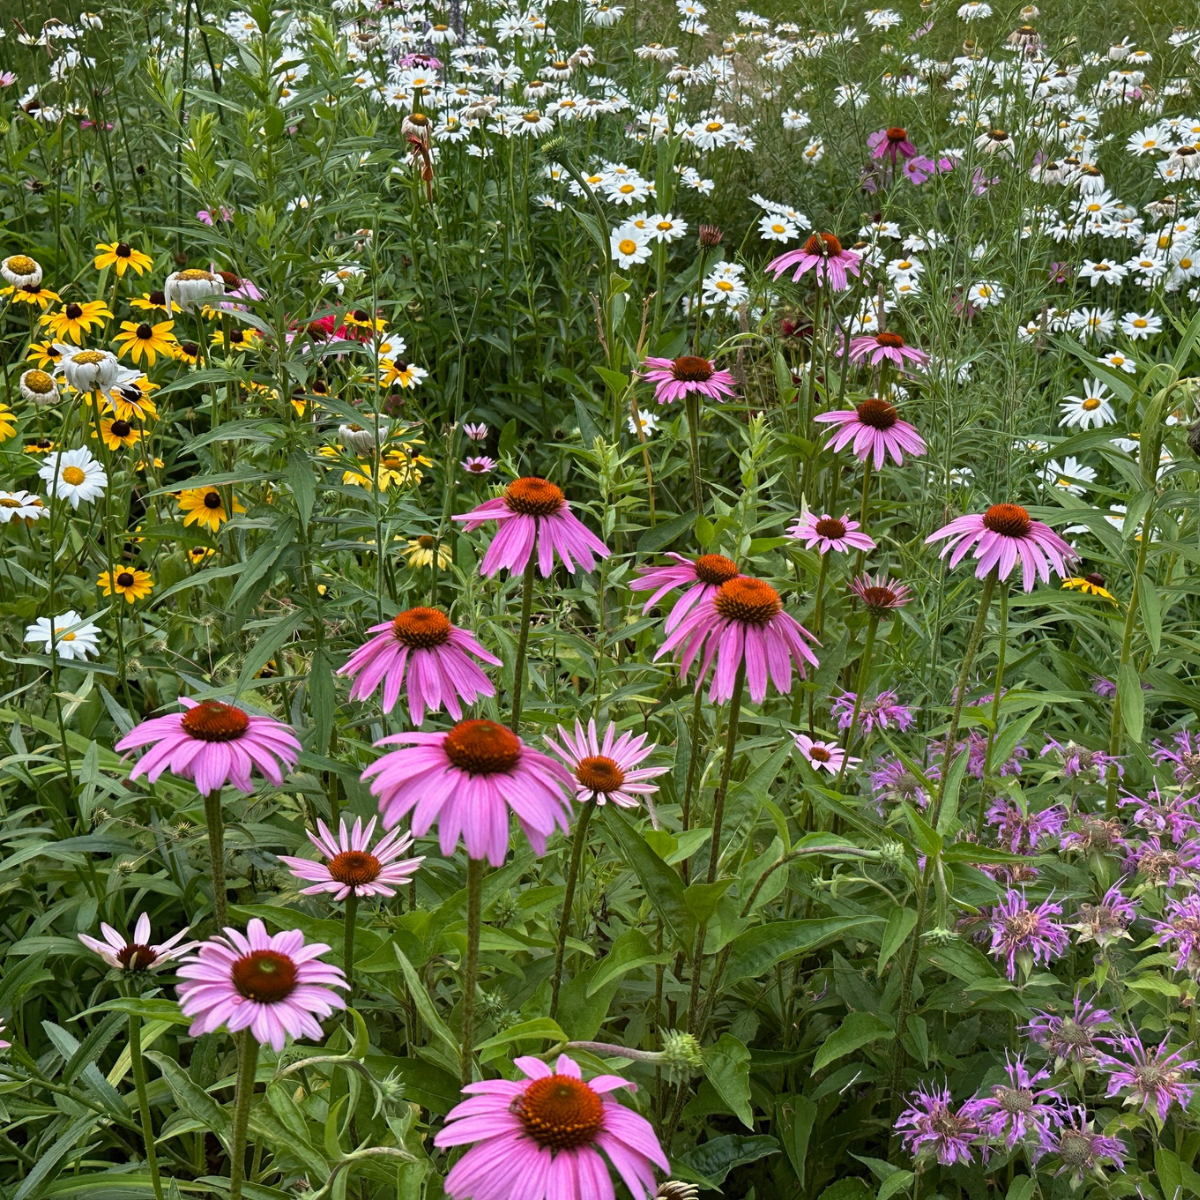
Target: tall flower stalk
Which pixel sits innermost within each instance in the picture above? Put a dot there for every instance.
(138, 1065)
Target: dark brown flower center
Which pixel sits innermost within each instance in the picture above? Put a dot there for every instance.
(534, 497)
(121, 429)
(878, 414)
(1008, 520)
(264, 975)
(897, 134)
(692, 369)
(354, 867)
(482, 747)
(231, 281)
(824, 244)
(1095, 579)
(189, 348)
(819, 754)
(560, 1112)
(748, 600)
(134, 957)
(158, 298)
(212, 721)
(878, 597)
(123, 251)
(830, 527)
(715, 569)
(125, 580)
(73, 311)
(893, 340)
(144, 332)
(212, 499)
(998, 135)
(426, 542)
(422, 628)
(600, 774)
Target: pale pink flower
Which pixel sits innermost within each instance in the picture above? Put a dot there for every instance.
(700, 580)
(354, 866)
(875, 429)
(137, 953)
(825, 533)
(823, 254)
(607, 769)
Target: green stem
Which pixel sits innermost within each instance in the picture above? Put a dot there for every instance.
(471, 964)
(564, 924)
(995, 713)
(864, 678)
(349, 920)
(819, 607)
(216, 855)
(522, 643)
(247, 1064)
(692, 405)
(139, 1083)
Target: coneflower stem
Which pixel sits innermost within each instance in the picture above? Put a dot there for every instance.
(471, 964)
(692, 405)
(864, 678)
(522, 642)
(819, 607)
(216, 855)
(349, 920)
(139, 1083)
(564, 923)
(247, 1065)
(995, 714)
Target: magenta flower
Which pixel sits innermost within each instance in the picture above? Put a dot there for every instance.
(274, 986)
(1080, 761)
(1184, 755)
(1095, 835)
(533, 514)
(1014, 1110)
(1070, 1039)
(355, 867)
(676, 378)
(1002, 536)
(1080, 1151)
(880, 595)
(875, 429)
(478, 464)
(700, 580)
(823, 254)
(825, 533)
(137, 953)
(607, 769)
(422, 647)
(1178, 817)
(890, 144)
(477, 433)
(540, 1138)
(3, 1044)
(881, 713)
(1181, 931)
(1021, 832)
(880, 347)
(467, 779)
(1030, 935)
(744, 624)
(1164, 865)
(213, 744)
(930, 1126)
(893, 782)
(822, 756)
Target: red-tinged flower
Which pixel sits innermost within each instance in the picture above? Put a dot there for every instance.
(533, 514)
(891, 144)
(822, 254)
(881, 595)
(826, 533)
(354, 867)
(885, 347)
(876, 431)
(675, 378)
(700, 578)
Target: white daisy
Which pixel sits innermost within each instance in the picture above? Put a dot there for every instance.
(1069, 475)
(68, 636)
(74, 476)
(1138, 326)
(630, 245)
(21, 506)
(1092, 410)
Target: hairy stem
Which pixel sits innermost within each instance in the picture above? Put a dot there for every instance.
(564, 924)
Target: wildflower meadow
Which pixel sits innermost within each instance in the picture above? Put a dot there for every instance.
(599, 601)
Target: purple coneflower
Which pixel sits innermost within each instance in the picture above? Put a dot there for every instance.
(930, 1125)
(744, 623)
(477, 433)
(274, 986)
(137, 953)
(891, 144)
(700, 579)
(355, 867)
(541, 1137)
(1001, 536)
(466, 780)
(1030, 935)
(1080, 1151)
(823, 756)
(422, 647)
(1014, 1110)
(1156, 1078)
(880, 595)
(1070, 1039)
(1106, 922)
(479, 464)
(876, 430)
(886, 346)
(676, 378)
(607, 769)
(1164, 865)
(1181, 931)
(881, 713)
(825, 533)
(212, 744)
(533, 515)
(823, 254)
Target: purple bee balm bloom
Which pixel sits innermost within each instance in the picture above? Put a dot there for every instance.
(890, 144)
(822, 756)
(975, 744)
(478, 464)
(893, 781)
(822, 254)
(533, 514)
(1073, 1038)
(880, 347)
(1030, 935)
(930, 1126)
(676, 378)
(1018, 1108)
(875, 429)
(1164, 865)
(881, 713)
(607, 768)
(137, 953)
(1178, 817)
(700, 580)
(1107, 921)
(1095, 835)
(825, 533)
(1002, 537)
(467, 780)
(743, 624)
(1080, 1151)
(1104, 688)
(541, 1137)
(420, 647)
(1080, 761)
(1181, 931)
(213, 744)
(354, 866)
(1020, 832)
(274, 986)
(1156, 1078)
(1184, 755)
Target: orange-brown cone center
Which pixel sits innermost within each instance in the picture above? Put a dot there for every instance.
(889, 339)
(600, 774)
(212, 721)
(831, 527)
(534, 497)
(819, 754)
(897, 134)
(1009, 520)
(422, 628)
(715, 569)
(560, 1112)
(878, 414)
(482, 747)
(354, 867)
(749, 600)
(824, 244)
(692, 369)
(264, 975)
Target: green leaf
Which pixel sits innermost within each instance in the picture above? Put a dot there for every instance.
(899, 926)
(148, 1010)
(192, 1098)
(612, 966)
(1151, 610)
(266, 647)
(1022, 1188)
(1132, 699)
(541, 1029)
(727, 1066)
(756, 951)
(425, 1007)
(797, 1114)
(665, 532)
(849, 1188)
(51, 1161)
(702, 898)
(715, 1158)
(92, 1046)
(858, 1029)
(298, 475)
(899, 1182)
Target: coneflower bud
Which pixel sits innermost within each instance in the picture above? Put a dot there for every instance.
(681, 1053)
(554, 146)
(710, 235)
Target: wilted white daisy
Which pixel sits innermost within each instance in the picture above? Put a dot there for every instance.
(192, 287)
(68, 636)
(1092, 410)
(74, 476)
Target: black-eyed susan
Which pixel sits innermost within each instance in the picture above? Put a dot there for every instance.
(188, 352)
(45, 355)
(239, 339)
(419, 552)
(32, 294)
(142, 464)
(197, 554)
(205, 506)
(359, 318)
(118, 434)
(1089, 585)
(8, 423)
(128, 582)
(39, 446)
(122, 256)
(138, 339)
(131, 401)
(73, 321)
(398, 371)
(152, 302)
